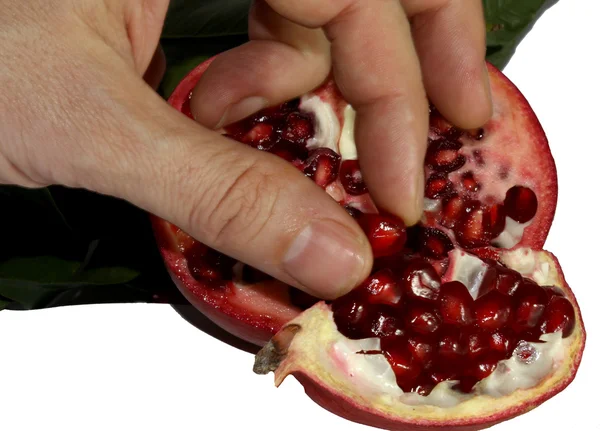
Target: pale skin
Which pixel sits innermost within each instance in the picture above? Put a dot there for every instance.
(78, 108)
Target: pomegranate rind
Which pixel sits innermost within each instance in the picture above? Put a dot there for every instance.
(256, 313)
(305, 348)
(534, 162)
(237, 309)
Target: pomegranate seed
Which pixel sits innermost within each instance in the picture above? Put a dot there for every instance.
(420, 280)
(289, 151)
(405, 368)
(207, 264)
(494, 220)
(477, 344)
(559, 315)
(476, 134)
(489, 280)
(350, 316)
(470, 230)
(442, 155)
(438, 185)
(298, 128)
(520, 203)
(503, 342)
(456, 304)
(434, 243)
(384, 325)
(422, 350)
(259, 136)
(351, 178)
(451, 209)
(469, 183)
(322, 166)
(302, 299)
(484, 367)
(422, 319)
(492, 311)
(382, 288)
(439, 376)
(508, 280)
(553, 291)
(465, 384)
(386, 234)
(530, 301)
(451, 347)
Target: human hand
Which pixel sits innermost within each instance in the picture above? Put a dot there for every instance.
(78, 109)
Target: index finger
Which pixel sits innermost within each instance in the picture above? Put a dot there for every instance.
(377, 69)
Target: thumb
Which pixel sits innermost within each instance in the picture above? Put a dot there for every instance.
(248, 204)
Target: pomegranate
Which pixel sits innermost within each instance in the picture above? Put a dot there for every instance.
(460, 309)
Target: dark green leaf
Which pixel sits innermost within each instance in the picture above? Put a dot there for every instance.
(507, 22)
(206, 18)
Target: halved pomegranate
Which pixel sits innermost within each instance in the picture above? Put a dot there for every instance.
(463, 321)
(469, 359)
(490, 187)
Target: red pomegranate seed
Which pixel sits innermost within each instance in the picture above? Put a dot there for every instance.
(489, 281)
(477, 344)
(503, 342)
(469, 183)
(382, 288)
(492, 311)
(442, 375)
(476, 134)
(438, 185)
(559, 315)
(422, 320)
(420, 280)
(494, 220)
(456, 304)
(520, 204)
(470, 229)
(434, 243)
(289, 151)
(465, 384)
(422, 350)
(423, 386)
(351, 178)
(384, 325)
(386, 234)
(484, 367)
(208, 264)
(297, 128)
(451, 210)
(451, 347)
(529, 303)
(508, 280)
(350, 316)
(405, 368)
(322, 166)
(442, 155)
(259, 136)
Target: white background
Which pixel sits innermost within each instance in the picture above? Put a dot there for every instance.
(143, 367)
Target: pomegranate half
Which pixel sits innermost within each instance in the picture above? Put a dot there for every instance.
(490, 188)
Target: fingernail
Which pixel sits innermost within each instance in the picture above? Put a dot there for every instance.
(241, 110)
(326, 258)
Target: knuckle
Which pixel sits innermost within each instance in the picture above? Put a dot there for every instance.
(239, 208)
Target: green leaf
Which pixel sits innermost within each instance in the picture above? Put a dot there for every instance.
(507, 23)
(206, 18)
